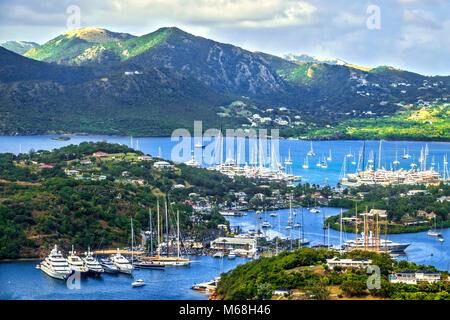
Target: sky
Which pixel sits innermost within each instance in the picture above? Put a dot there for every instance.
(408, 34)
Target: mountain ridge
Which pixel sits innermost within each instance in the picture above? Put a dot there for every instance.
(170, 67)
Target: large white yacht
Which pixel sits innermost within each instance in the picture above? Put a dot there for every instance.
(76, 264)
(371, 243)
(55, 265)
(92, 264)
(121, 262)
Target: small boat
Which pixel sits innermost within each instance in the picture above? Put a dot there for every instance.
(138, 283)
(265, 224)
(297, 225)
(432, 233)
(231, 256)
(61, 139)
(148, 265)
(274, 214)
(218, 254)
(314, 210)
(441, 239)
(199, 145)
(288, 227)
(329, 157)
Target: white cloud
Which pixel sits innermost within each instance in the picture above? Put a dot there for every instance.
(420, 18)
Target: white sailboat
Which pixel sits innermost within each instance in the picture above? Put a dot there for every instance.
(311, 151)
(305, 164)
(329, 157)
(288, 161)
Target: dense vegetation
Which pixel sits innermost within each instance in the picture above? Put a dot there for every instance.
(415, 124)
(400, 206)
(305, 271)
(39, 206)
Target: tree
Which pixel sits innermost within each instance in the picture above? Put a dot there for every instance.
(264, 290)
(353, 288)
(318, 288)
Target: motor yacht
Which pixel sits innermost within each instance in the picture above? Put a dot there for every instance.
(122, 264)
(55, 265)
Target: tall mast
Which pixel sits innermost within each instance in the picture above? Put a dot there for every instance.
(167, 228)
(356, 225)
(340, 231)
(379, 156)
(157, 221)
(150, 228)
(178, 234)
(132, 242)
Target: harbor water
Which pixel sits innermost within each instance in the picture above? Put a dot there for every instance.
(164, 146)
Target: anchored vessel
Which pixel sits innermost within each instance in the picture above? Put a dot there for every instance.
(94, 267)
(76, 264)
(108, 266)
(55, 265)
(122, 264)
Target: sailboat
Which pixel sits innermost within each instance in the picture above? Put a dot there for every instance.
(319, 164)
(265, 224)
(324, 163)
(329, 157)
(432, 233)
(311, 151)
(305, 164)
(406, 154)
(169, 261)
(289, 226)
(288, 161)
(396, 158)
(349, 155)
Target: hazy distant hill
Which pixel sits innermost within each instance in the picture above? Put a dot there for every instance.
(19, 47)
(308, 58)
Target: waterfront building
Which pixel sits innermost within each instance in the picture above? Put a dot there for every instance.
(413, 277)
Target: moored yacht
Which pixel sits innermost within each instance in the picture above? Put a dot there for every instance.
(76, 264)
(108, 266)
(122, 264)
(371, 243)
(55, 265)
(94, 267)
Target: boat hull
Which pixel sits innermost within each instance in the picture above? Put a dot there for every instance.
(54, 274)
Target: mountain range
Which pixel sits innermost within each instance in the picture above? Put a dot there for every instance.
(97, 81)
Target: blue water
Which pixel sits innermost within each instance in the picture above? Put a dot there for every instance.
(20, 280)
(423, 249)
(163, 146)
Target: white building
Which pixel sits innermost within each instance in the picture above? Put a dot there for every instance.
(239, 246)
(348, 263)
(413, 277)
(162, 164)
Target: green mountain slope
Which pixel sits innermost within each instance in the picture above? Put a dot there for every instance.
(105, 73)
(66, 47)
(107, 102)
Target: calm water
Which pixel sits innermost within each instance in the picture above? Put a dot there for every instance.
(423, 249)
(20, 280)
(163, 146)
